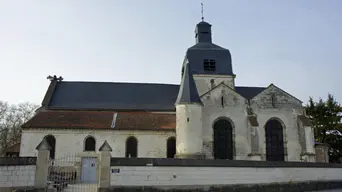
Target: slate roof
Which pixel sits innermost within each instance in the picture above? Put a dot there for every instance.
(205, 49)
(188, 93)
(68, 95)
(102, 120)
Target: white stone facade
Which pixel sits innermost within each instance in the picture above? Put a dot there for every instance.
(195, 124)
(71, 141)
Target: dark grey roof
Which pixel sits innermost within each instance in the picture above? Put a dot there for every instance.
(205, 49)
(114, 96)
(188, 93)
(249, 92)
(120, 96)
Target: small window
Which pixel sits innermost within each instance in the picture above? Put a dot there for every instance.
(209, 65)
(90, 144)
(171, 147)
(51, 140)
(131, 147)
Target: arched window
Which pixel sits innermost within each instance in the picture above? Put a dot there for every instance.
(274, 141)
(223, 140)
(90, 144)
(51, 140)
(171, 147)
(131, 147)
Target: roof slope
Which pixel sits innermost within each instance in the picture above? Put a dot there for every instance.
(118, 96)
(121, 96)
(102, 120)
(188, 93)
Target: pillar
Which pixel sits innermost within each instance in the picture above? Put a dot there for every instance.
(105, 156)
(42, 165)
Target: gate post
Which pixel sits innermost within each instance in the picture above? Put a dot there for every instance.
(105, 156)
(42, 165)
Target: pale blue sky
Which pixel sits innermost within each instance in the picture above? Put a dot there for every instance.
(295, 44)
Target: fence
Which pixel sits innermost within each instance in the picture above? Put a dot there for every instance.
(68, 173)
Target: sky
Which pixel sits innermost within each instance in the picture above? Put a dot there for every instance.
(296, 45)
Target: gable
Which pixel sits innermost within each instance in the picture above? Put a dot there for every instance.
(274, 97)
(222, 95)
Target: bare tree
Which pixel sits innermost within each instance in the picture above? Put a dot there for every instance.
(11, 118)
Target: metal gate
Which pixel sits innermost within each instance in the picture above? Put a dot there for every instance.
(89, 170)
(72, 173)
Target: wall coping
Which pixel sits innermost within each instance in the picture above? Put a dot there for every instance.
(17, 161)
(214, 163)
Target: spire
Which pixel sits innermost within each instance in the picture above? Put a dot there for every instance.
(202, 12)
(188, 93)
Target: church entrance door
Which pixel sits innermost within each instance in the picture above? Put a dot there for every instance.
(274, 141)
(223, 140)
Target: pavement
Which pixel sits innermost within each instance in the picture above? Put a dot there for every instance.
(330, 190)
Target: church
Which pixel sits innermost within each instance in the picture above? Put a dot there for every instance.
(207, 116)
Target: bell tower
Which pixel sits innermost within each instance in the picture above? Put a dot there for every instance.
(189, 138)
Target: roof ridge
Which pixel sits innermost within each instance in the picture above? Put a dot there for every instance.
(250, 86)
(108, 82)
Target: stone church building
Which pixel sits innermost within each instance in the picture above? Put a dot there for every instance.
(206, 116)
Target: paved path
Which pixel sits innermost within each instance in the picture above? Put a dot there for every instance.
(331, 190)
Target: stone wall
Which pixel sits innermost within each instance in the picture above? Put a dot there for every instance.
(182, 173)
(17, 172)
(71, 141)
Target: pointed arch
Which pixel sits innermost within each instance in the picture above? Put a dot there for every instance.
(171, 147)
(223, 145)
(51, 140)
(131, 147)
(89, 144)
(274, 136)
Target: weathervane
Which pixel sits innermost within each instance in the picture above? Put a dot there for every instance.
(202, 11)
(55, 78)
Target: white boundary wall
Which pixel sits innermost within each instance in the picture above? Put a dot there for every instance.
(177, 176)
(17, 176)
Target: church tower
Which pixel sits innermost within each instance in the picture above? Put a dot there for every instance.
(210, 63)
(189, 138)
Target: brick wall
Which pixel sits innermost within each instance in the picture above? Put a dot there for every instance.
(166, 172)
(17, 172)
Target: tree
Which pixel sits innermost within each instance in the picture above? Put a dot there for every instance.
(11, 118)
(326, 116)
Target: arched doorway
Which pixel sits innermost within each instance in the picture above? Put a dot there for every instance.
(90, 144)
(131, 147)
(171, 147)
(51, 140)
(274, 141)
(223, 147)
